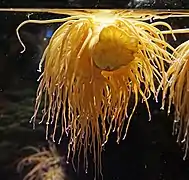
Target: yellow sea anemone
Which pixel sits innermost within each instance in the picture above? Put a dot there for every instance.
(45, 164)
(92, 65)
(178, 75)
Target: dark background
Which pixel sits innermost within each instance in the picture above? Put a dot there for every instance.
(149, 152)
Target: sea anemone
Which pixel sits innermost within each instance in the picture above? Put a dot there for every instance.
(46, 164)
(178, 85)
(93, 64)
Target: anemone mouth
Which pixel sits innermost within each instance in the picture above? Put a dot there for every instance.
(114, 48)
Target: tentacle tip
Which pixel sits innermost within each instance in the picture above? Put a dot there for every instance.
(103, 144)
(174, 38)
(162, 108)
(59, 141)
(118, 141)
(23, 51)
(53, 139)
(40, 122)
(124, 136)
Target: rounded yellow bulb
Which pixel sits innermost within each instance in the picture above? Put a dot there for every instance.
(114, 48)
